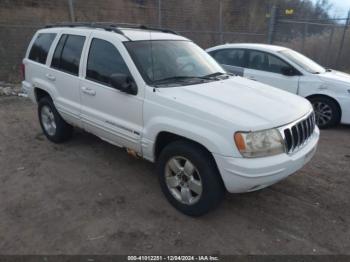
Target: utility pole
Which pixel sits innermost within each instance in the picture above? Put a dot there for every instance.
(272, 23)
(71, 10)
(220, 23)
(160, 13)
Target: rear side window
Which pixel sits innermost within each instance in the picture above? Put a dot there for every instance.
(232, 57)
(41, 47)
(258, 61)
(67, 54)
(103, 61)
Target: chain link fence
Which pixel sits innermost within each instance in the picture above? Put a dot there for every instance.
(206, 22)
(327, 41)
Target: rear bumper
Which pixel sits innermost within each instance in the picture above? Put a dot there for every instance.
(27, 88)
(244, 175)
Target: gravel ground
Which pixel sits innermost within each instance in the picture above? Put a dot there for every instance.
(89, 197)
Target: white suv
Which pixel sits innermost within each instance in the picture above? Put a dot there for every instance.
(163, 98)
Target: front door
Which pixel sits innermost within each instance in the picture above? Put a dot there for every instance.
(107, 112)
(271, 70)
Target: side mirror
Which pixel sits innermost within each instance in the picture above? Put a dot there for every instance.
(124, 83)
(288, 71)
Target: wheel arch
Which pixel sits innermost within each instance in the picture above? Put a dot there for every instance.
(164, 138)
(313, 96)
(40, 93)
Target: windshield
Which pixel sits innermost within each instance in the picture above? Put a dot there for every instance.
(302, 61)
(169, 61)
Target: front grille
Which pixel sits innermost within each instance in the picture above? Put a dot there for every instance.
(298, 134)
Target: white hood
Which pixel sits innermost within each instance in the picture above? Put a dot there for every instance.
(242, 103)
(336, 77)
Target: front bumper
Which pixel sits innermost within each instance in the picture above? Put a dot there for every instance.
(244, 175)
(345, 109)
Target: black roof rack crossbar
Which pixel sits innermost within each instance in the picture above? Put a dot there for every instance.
(109, 26)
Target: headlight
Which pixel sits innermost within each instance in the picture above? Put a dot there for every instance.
(260, 143)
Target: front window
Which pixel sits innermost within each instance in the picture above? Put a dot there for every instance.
(104, 60)
(266, 62)
(169, 62)
(304, 62)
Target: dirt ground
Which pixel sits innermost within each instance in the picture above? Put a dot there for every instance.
(89, 197)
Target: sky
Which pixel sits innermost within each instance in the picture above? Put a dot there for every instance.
(340, 7)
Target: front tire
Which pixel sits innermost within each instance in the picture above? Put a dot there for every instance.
(189, 178)
(327, 112)
(52, 124)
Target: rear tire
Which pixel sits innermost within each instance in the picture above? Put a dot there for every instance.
(189, 178)
(52, 124)
(327, 112)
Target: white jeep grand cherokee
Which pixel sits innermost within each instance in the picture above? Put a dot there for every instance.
(163, 98)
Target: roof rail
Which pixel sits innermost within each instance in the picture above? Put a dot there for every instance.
(108, 26)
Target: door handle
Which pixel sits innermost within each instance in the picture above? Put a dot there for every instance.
(88, 91)
(50, 77)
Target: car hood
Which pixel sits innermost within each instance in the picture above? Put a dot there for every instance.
(244, 104)
(335, 77)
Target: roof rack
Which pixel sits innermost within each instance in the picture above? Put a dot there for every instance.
(114, 27)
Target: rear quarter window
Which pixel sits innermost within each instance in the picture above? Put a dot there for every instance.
(41, 47)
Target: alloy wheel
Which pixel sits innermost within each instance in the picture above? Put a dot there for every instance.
(48, 120)
(323, 113)
(183, 180)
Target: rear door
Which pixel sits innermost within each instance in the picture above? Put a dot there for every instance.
(270, 69)
(107, 112)
(64, 73)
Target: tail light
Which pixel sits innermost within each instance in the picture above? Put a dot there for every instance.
(23, 71)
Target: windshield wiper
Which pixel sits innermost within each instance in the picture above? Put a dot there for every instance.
(173, 78)
(186, 79)
(178, 79)
(213, 75)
